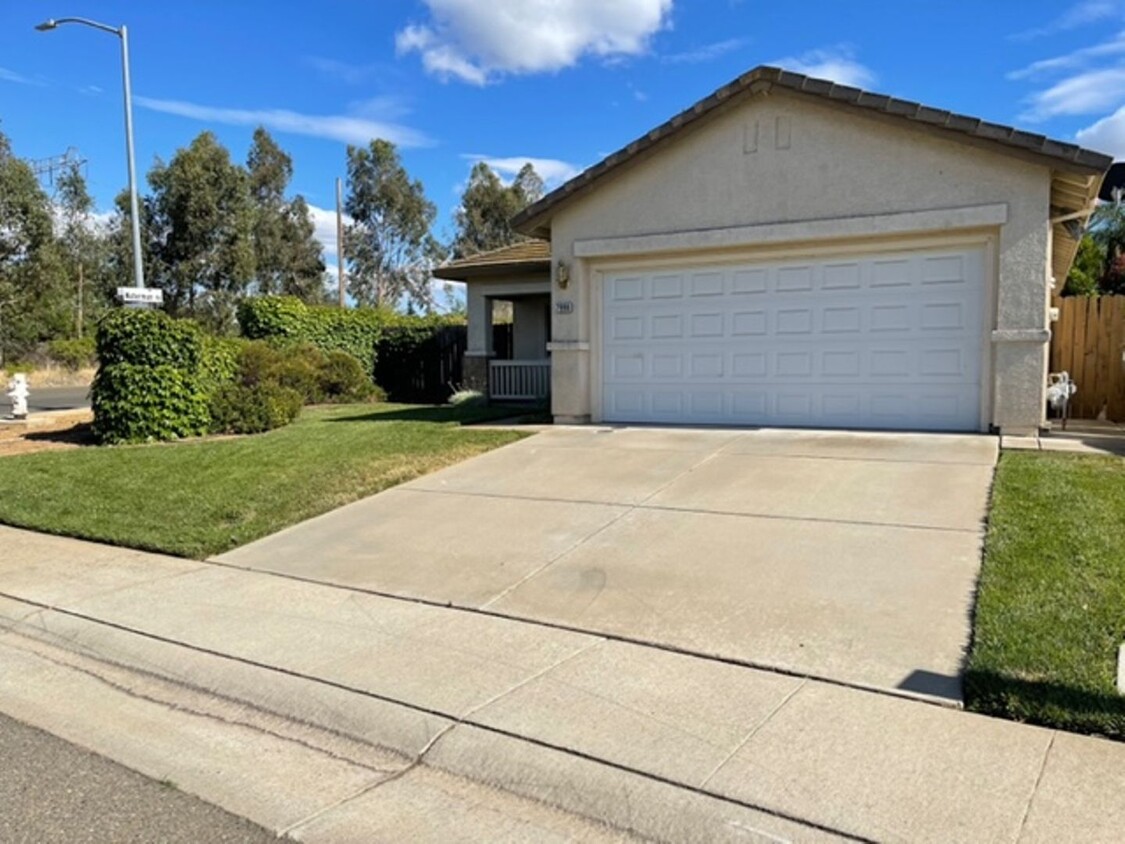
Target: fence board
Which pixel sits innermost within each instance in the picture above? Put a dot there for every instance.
(1088, 341)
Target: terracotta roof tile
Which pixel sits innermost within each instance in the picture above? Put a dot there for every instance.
(528, 254)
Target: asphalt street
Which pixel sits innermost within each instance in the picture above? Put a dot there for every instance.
(49, 398)
(52, 791)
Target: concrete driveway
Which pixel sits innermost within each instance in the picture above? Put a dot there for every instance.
(846, 556)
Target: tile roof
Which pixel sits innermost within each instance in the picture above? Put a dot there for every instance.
(1066, 156)
(526, 255)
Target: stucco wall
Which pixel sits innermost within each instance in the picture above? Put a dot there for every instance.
(783, 158)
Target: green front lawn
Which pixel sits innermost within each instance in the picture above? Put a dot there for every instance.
(203, 497)
(1051, 610)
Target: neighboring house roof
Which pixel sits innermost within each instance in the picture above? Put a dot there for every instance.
(525, 257)
(1078, 170)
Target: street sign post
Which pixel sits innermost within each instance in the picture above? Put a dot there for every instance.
(140, 295)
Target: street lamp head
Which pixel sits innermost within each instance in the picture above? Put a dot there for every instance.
(47, 25)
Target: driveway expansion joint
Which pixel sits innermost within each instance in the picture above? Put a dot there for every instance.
(1035, 787)
(668, 508)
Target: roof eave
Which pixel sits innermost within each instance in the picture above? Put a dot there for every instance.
(512, 268)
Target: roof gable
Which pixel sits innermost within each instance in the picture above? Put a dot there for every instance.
(535, 219)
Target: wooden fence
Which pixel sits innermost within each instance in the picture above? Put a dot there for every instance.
(1088, 341)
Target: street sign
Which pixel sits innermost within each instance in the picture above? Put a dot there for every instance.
(140, 295)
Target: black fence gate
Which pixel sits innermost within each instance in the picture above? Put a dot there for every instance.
(429, 373)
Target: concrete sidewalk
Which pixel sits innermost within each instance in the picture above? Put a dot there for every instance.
(665, 745)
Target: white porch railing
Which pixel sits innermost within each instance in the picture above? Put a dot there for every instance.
(519, 379)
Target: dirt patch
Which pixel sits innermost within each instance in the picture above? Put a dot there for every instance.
(46, 432)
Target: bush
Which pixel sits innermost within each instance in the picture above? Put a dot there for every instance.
(73, 354)
(285, 320)
(410, 355)
(134, 403)
(240, 409)
(149, 338)
(342, 379)
(154, 379)
(468, 398)
(317, 377)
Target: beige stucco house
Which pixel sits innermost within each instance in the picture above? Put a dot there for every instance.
(793, 252)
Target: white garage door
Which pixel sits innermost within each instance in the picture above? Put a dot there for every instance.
(876, 341)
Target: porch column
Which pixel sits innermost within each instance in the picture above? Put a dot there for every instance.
(479, 347)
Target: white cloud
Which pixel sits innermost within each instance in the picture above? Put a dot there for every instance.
(835, 63)
(352, 74)
(1080, 14)
(324, 222)
(552, 171)
(1077, 59)
(1107, 135)
(706, 53)
(11, 76)
(1084, 93)
(478, 41)
(348, 128)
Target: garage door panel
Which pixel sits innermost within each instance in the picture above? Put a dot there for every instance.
(874, 341)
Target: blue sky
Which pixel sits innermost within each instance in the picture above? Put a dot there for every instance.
(560, 82)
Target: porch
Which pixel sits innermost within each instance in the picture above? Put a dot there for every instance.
(517, 329)
(508, 294)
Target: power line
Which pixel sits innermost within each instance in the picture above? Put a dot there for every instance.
(46, 169)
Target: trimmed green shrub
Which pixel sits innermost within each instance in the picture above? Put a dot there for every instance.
(136, 403)
(317, 377)
(156, 376)
(149, 338)
(286, 320)
(410, 355)
(342, 379)
(240, 409)
(73, 354)
(219, 363)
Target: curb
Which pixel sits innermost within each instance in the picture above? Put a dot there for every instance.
(589, 787)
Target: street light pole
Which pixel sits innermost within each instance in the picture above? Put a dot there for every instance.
(138, 268)
(123, 34)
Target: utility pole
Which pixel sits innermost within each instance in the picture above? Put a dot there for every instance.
(340, 241)
(80, 300)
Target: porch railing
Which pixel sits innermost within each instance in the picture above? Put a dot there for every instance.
(519, 379)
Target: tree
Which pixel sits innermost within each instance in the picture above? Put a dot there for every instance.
(286, 252)
(1107, 229)
(83, 249)
(487, 206)
(1088, 270)
(528, 186)
(389, 246)
(201, 219)
(33, 302)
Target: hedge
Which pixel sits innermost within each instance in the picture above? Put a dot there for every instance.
(391, 346)
(155, 377)
(287, 319)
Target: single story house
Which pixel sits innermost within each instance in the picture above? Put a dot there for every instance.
(793, 252)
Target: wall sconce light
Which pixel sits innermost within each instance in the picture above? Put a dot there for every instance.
(562, 274)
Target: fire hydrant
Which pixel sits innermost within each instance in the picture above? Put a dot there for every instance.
(18, 393)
